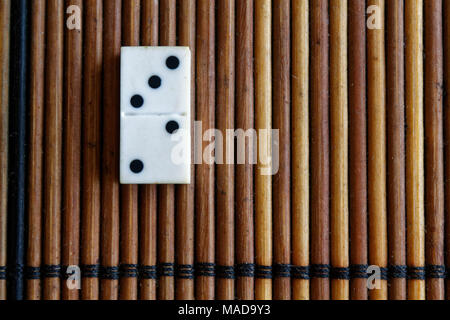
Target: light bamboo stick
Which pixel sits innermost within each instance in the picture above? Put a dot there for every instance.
(415, 147)
(446, 15)
(376, 106)
(339, 150)
(263, 124)
(300, 148)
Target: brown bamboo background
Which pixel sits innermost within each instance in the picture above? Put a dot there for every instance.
(355, 89)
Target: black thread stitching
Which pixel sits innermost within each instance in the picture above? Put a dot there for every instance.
(282, 270)
(436, 272)
(245, 270)
(129, 270)
(225, 272)
(340, 273)
(358, 271)
(166, 269)
(90, 271)
(299, 272)
(263, 272)
(416, 273)
(32, 273)
(321, 271)
(205, 269)
(110, 273)
(3, 271)
(398, 272)
(148, 272)
(52, 271)
(185, 271)
(384, 273)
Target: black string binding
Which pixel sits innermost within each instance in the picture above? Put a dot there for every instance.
(185, 271)
(340, 273)
(148, 272)
(358, 271)
(282, 271)
(416, 273)
(166, 269)
(52, 271)
(299, 272)
(384, 273)
(398, 272)
(90, 271)
(205, 269)
(245, 270)
(320, 271)
(263, 272)
(3, 270)
(110, 273)
(225, 272)
(32, 273)
(129, 270)
(435, 272)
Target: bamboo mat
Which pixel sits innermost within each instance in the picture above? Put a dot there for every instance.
(352, 205)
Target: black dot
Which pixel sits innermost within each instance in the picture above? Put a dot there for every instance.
(137, 166)
(172, 62)
(172, 126)
(154, 82)
(137, 101)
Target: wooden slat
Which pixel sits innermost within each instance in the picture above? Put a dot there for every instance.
(415, 144)
(446, 15)
(92, 121)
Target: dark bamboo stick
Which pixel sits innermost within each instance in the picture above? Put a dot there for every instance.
(110, 171)
(204, 184)
(148, 193)
(185, 194)
(92, 121)
(244, 172)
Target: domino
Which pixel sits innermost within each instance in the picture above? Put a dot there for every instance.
(155, 143)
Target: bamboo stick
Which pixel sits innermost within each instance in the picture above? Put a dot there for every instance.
(110, 173)
(434, 150)
(185, 194)
(166, 193)
(91, 188)
(225, 289)
(53, 147)
(357, 148)
(396, 144)
(415, 146)
(319, 186)
(5, 17)
(263, 124)
(446, 15)
(148, 193)
(244, 172)
(281, 121)
(376, 106)
(300, 148)
(35, 163)
(204, 184)
(129, 193)
(73, 67)
(339, 150)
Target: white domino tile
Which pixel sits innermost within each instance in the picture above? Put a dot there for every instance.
(155, 142)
